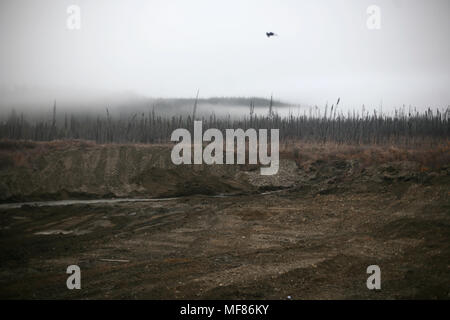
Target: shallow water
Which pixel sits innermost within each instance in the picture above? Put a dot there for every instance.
(55, 203)
(71, 202)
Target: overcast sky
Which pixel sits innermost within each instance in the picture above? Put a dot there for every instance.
(172, 48)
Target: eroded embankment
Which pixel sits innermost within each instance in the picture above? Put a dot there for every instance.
(81, 170)
(52, 171)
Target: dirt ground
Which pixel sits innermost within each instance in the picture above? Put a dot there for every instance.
(302, 243)
(313, 238)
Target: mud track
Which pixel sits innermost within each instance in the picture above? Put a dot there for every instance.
(299, 243)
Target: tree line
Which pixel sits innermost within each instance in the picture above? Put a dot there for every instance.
(357, 127)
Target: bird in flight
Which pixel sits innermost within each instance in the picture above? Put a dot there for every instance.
(270, 34)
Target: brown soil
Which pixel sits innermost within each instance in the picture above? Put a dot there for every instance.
(312, 240)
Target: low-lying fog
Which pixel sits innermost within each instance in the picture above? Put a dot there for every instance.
(37, 103)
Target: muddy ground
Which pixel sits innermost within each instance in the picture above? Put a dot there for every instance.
(312, 239)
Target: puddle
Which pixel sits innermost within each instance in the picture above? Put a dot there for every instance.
(71, 202)
(61, 232)
(118, 200)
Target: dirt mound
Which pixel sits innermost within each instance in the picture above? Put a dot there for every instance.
(83, 170)
(71, 170)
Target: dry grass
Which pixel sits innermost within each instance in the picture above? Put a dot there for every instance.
(21, 153)
(428, 157)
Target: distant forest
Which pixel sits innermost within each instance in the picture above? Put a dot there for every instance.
(330, 124)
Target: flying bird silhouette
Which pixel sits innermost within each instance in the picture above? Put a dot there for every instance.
(270, 34)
